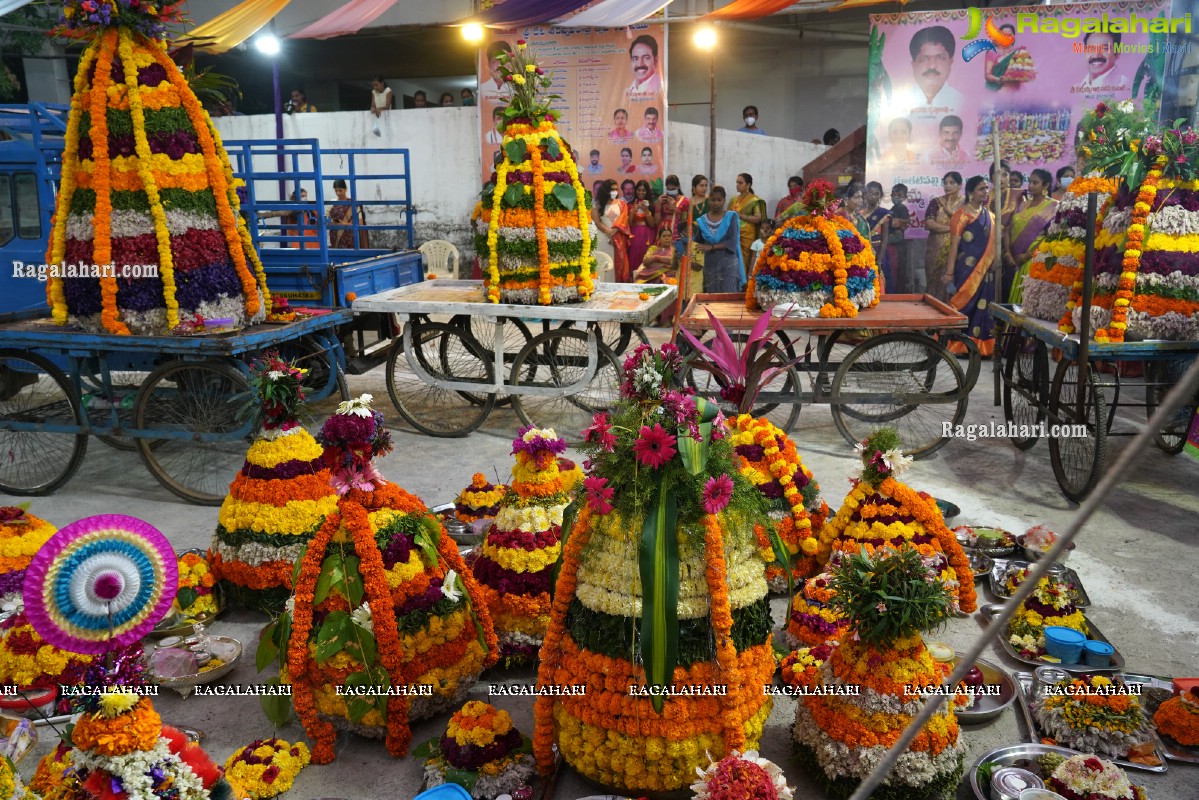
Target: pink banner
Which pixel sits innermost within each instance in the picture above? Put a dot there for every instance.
(942, 81)
(612, 110)
(350, 18)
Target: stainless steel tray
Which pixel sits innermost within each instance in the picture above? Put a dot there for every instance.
(1024, 681)
(1174, 750)
(1081, 598)
(991, 611)
(1008, 756)
(988, 708)
(980, 563)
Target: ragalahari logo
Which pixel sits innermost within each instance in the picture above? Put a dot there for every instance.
(995, 36)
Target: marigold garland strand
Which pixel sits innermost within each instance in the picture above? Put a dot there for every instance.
(102, 247)
(722, 627)
(1133, 249)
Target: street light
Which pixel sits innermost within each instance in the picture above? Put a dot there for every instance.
(472, 32)
(705, 39)
(267, 44)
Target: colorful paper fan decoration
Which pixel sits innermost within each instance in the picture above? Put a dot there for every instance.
(101, 583)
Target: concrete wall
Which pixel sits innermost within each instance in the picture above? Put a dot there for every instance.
(445, 158)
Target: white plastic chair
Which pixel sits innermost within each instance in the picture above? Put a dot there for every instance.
(605, 270)
(441, 258)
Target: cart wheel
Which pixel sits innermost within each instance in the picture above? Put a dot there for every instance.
(1025, 386)
(1077, 460)
(914, 383)
(445, 353)
(124, 394)
(516, 336)
(1160, 378)
(782, 414)
(620, 337)
(559, 359)
(33, 390)
(325, 376)
(193, 397)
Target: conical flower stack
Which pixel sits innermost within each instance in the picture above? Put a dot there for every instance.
(278, 500)
(21, 536)
(534, 234)
(382, 599)
(145, 183)
(522, 546)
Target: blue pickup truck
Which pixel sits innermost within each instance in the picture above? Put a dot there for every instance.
(316, 250)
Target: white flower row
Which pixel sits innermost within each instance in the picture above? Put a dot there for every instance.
(1174, 221)
(133, 770)
(255, 554)
(530, 234)
(529, 297)
(1116, 221)
(1171, 326)
(129, 223)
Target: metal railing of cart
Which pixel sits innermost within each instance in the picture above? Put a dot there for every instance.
(170, 398)
(890, 365)
(461, 356)
(1068, 388)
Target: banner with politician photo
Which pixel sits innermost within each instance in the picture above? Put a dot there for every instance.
(942, 83)
(612, 111)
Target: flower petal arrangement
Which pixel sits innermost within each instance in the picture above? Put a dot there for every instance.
(1178, 718)
(265, 768)
(21, 536)
(145, 182)
(739, 777)
(1091, 715)
(1052, 603)
(1085, 777)
(660, 612)
(480, 751)
(480, 500)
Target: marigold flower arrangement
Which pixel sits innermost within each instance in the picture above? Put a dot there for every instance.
(1178, 718)
(661, 597)
(265, 767)
(816, 264)
(145, 181)
(887, 598)
(195, 598)
(1087, 715)
(11, 785)
(480, 751)
(480, 500)
(534, 234)
(278, 500)
(21, 536)
(1086, 777)
(521, 548)
(742, 777)
(1050, 604)
(382, 599)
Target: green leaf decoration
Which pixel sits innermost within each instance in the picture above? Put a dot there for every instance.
(659, 566)
(332, 574)
(427, 538)
(464, 778)
(568, 522)
(283, 633)
(783, 556)
(295, 572)
(267, 651)
(516, 150)
(330, 640)
(186, 597)
(361, 645)
(552, 148)
(355, 588)
(359, 707)
(566, 195)
(693, 453)
(514, 194)
(427, 749)
(277, 707)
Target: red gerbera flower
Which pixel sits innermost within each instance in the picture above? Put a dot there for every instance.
(654, 446)
(718, 492)
(600, 432)
(599, 495)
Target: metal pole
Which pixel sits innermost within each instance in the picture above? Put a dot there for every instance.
(1180, 394)
(711, 118)
(997, 262)
(281, 163)
(1084, 327)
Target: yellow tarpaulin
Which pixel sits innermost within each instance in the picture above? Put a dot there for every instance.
(222, 33)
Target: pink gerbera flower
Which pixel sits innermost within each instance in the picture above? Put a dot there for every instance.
(718, 492)
(654, 446)
(600, 432)
(599, 494)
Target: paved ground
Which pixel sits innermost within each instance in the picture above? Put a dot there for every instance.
(1137, 558)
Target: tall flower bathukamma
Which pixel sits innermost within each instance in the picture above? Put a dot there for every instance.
(21, 534)
(147, 192)
(816, 264)
(661, 598)
(887, 597)
(518, 555)
(534, 234)
(881, 512)
(278, 500)
(382, 604)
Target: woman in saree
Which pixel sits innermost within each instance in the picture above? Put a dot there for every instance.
(718, 236)
(341, 220)
(751, 209)
(643, 225)
(878, 220)
(972, 250)
(611, 216)
(1028, 224)
(658, 266)
(936, 221)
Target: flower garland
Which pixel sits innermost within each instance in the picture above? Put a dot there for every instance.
(1114, 331)
(1178, 718)
(1080, 188)
(266, 767)
(109, 315)
(722, 626)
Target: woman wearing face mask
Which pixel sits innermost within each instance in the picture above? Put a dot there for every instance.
(666, 209)
(718, 235)
(752, 211)
(642, 223)
(1065, 176)
(936, 221)
(972, 249)
(611, 216)
(1028, 224)
(468, 98)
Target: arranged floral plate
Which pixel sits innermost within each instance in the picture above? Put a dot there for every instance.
(1004, 546)
(991, 611)
(1016, 755)
(1024, 682)
(981, 564)
(184, 684)
(989, 706)
(1174, 751)
(1001, 568)
(9, 724)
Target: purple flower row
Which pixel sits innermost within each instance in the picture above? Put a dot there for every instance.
(539, 444)
(814, 622)
(1166, 262)
(12, 581)
(283, 471)
(1186, 198)
(471, 757)
(423, 602)
(175, 144)
(506, 581)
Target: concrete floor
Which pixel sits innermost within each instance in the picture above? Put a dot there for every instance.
(1137, 558)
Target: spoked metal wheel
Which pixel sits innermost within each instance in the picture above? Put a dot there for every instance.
(516, 336)
(1160, 377)
(444, 353)
(904, 380)
(193, 399)
(325, 376)
(620, 337)
(98, 402)
(559, 359)
(1025, 387)
(34, 392)
(780, 401)
(1078, 446)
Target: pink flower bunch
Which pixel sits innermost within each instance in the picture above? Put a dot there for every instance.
(599, 495)
(600, 432)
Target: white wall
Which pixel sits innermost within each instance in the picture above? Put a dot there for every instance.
(445, 157)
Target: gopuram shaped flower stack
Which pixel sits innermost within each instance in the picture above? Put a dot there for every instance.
(382, 604)
(661, 602)
(881, 512)
(145, 184)
(533, 234)
(278, 500)
(518, 555)
(21, 535)
(872, 683)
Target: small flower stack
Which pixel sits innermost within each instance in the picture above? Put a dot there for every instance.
(480, 500)
(1050, 604)
(1089, 715)
(195, 599)
(278, 500)
(521, 548)
(817, 264)
(265, 768)
(768, 459)
(29, 661)
(1085, 777)
(21, 536)
(1178, 718)
(145, 183)
(481, 751)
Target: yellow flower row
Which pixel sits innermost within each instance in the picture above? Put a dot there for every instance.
(293, 519)
(448, 679)
(23, 541)
(1187, 243)
(270, 453)
(438, 632)
(522, 560)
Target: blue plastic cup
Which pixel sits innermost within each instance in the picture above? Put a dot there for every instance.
(1097, 653)
(1064, 644)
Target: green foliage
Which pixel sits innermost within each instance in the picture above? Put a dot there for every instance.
(659, 566)
(530, 85)
(883, 440)
(24, 33)
(1124, 141)
(888, 596)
